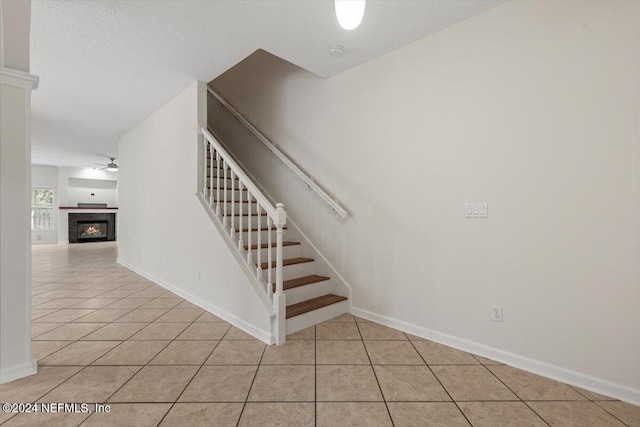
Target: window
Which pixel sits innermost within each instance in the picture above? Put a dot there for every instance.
(41, 209)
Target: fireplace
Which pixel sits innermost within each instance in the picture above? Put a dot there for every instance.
(92, 227)
(89, 231)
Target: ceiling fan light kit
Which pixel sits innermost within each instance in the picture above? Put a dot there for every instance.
(111, 166)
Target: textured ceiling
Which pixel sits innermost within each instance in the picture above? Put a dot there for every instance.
(106, 65)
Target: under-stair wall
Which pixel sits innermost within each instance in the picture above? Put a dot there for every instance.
(529, 106)
(165, 234)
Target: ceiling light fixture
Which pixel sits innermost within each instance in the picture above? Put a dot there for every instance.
(350, 13)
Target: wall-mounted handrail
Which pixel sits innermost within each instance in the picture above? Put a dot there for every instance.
(286, 160)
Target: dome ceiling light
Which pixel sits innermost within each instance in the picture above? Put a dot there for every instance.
(350, 13)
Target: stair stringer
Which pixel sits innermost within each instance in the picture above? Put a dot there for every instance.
(258, 287)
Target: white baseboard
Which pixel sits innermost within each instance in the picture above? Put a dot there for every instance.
(261, 334)
(578, 379)
(12, 373)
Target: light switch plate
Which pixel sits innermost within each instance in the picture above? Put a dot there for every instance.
(476, 210)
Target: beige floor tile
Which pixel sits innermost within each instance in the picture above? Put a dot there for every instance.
(143, 315)
(409, 383)
(70, 331)
(341, 353)
(104, 315)
(625, 412)
(156, 384)
(276, 414)
(41, 349)
(31, 388)
(59, 303)
(39, 419)
(373, 331)
(129, 303)
(361, 320)
(294, 352)
(337, 331)
(176, 315)
(346, 317)
(187, 304)
(472, 383)
(507, 414)
(115, 331)
(65, 315)
(129, 414)
(438, 354)
(574, 414)
(220, 384)
(284, 383)
(38, 329)
(352, 414)
(150, 293)
(160, 331)
(36, 314)
(486, 361)
(427, 414)
(79, 353)
(237, 334)
(203, 414)
(95, 303)
(4, 416)
(591, 395)
(414, 337)
(162, 303)
(534, 387)
(346, 383)
(237, 353)
(118, 293)
(134, 353)
(185, 353)
(208, 317)
(205, 331)
(92, 384)
(305, 334)
(393, 353)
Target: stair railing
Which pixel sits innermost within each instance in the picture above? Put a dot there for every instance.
(313, 186)
(225, 185)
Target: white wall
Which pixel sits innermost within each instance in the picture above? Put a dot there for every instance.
(531, 107)
(46, 177)
(15, 26)
(87, 185)
(165, 233)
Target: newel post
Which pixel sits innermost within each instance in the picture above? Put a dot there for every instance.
(279, 298)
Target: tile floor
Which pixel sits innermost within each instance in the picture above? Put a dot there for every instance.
(103, 334)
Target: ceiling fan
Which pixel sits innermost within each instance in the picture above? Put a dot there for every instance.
(111, 166)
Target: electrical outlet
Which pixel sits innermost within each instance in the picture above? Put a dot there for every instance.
(496, 313)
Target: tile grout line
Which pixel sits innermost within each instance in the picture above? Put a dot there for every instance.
(198, 370)
(516, 394)
(440, 382)
(246, 399)
(384, 399)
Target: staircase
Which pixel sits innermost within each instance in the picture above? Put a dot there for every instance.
(281, 264)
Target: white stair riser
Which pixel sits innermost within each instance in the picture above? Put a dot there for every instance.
(287, 252)
(264, 237)
(294, 271)
(307, 292)
(314, 317)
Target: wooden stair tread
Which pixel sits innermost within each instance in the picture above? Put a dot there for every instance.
(273, 245)
(244, 230)
(285, 262)
(301, 281)
(313, 304)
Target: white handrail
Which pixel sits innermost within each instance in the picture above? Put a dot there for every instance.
(305, 178)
